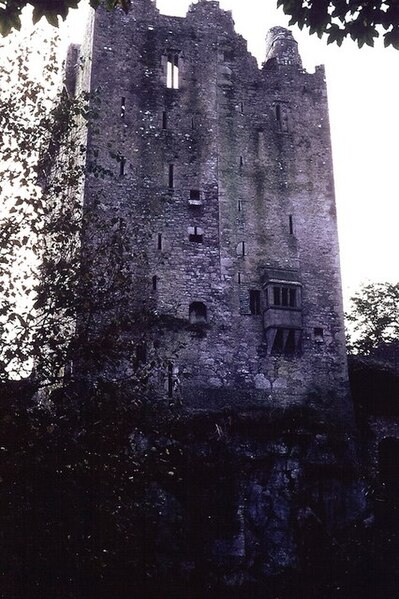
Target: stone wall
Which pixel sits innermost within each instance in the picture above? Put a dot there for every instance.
(223, 188)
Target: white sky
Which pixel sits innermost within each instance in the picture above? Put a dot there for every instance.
(363, 87)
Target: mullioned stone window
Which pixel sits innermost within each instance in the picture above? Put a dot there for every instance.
(172, 70)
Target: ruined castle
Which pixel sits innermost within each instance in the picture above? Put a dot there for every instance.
(223, 185)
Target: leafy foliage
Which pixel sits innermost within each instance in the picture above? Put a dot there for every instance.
(52, 10)
(374, 317)
(361, 20)
(55, 309)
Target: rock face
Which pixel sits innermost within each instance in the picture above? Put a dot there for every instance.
(218, 203)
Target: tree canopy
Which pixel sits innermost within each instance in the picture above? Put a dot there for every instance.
(52, 10)
(361, 20)
(374, 317)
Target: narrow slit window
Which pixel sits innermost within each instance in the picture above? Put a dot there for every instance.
(170, 381)
(254, 301)
(171, 176)
(292, 297)
(164, 120)
(154, 282)
(122, 163)
(241, 107)
(291, 224)
(239, 277)
(123, 107)
(159, 241)
(172, 71)
(192, 123)
(239, 205)
(276, 296)
(241, 249)
(241, 161)
(195, 234)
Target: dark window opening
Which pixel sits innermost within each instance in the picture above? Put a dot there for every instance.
(318, 335)
(122, 162)
(154, 282)
(140, 356)
(291, 224)
(192, 123)
(241, 107)
(278, 112)
(197, 313)
(239, 205)
(241, 161)
(171, 176)
(172, 71)
(123, 107)
(164, 120)
(195, 194)
(195, 234)
(239, 278)
(159, 242)
(254, 301)
(170, 380)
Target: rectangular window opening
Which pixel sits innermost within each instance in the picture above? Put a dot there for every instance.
(172, 71)
(318, 335)
(170, 381)
(195, 194)
(159, 241)
(154, 282)
(241, 161)
(195, 234)
(254, 301)
(122, 162)
(171, 176)
(291, 224)
(123, 107)
(239, 205)
(164, 120)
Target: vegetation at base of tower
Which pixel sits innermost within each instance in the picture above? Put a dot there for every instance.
(361, 20)
(374, 318)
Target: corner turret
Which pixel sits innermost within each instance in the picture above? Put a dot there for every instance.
(281, 47)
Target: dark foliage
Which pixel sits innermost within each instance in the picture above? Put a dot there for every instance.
(361, 20)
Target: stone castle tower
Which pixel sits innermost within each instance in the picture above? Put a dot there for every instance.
(222, 183)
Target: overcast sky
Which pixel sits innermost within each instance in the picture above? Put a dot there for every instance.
(363, 87)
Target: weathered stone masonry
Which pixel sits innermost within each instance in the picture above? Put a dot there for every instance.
(223, 181)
